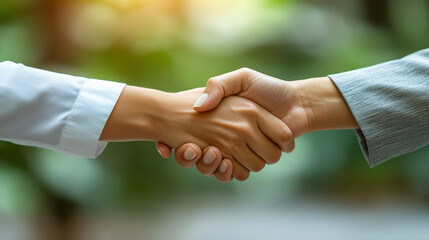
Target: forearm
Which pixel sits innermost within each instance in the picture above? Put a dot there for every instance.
(325, 106)
(138, 115)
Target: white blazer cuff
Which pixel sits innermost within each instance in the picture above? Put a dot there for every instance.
(84, 125)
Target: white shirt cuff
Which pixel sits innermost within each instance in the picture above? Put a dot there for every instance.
(84, 125)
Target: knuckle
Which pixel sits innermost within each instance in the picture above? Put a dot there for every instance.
(242, 131)
(245, 70)
(245, 130)
(212, 81)
(252, 109)
(249, 109)
(216, 85)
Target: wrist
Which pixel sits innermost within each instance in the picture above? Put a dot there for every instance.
(137, 115)
(324, 104)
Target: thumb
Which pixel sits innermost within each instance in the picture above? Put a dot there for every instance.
(211, 97)
(163, 149)
(222, 86)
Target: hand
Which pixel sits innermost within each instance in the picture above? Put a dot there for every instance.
(247, 134)
(275, 95)
(305, 106)
(243, 130)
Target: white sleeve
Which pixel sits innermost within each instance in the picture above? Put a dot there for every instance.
(55, 111)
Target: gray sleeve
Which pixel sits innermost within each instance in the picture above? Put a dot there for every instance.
(390, 102)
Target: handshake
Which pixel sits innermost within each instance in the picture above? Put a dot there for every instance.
(240, 122)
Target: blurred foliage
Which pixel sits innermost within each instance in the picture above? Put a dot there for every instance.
(174, 45)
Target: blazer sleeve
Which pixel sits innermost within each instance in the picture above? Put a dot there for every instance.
(55, 111)
(390, 102)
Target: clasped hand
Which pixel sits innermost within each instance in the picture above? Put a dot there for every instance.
(239, 123)
(259, 117)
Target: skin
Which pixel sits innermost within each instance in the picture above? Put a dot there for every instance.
(304, 106)
(247, 134)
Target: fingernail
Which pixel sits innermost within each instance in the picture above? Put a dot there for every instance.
(189, 154)
(201, 100)
(209, 157)
(159, 151)
(223, 167)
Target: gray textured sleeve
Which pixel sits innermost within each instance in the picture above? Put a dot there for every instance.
(390, 102)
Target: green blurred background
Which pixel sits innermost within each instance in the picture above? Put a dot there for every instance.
(324, 190)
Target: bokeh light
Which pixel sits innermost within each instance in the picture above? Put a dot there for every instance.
(323, 190)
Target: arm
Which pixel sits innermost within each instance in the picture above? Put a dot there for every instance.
(74, 115)
(390, 101)
(324, 106)
(55, 111)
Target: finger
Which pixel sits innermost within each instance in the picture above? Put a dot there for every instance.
(265, 148)
(188, 154)
(238, 171)
(163, 149)
(276, 130)
(209, 163)
(224, 173)
(249, 160)
(222, 86)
